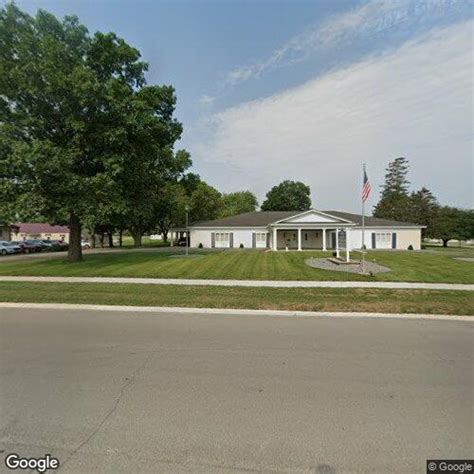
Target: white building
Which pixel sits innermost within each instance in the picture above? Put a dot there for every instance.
(313, 229)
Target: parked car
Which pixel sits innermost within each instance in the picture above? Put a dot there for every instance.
(29, 247)
(85, 244)
(59, 245)
(47, 244)
(37, 243)
(181, 242)
(9, 247)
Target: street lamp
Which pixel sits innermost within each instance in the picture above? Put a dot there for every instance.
(187, 231)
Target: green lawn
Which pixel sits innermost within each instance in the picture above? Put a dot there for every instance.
(426, 266)
(303, 299)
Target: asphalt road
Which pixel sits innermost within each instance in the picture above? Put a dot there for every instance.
(126, 392)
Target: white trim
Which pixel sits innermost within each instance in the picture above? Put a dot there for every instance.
(311, 225)
(263, 227)
(399, 227)
(338, 219)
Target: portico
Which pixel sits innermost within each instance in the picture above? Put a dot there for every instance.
(302, 238)
(312, 230)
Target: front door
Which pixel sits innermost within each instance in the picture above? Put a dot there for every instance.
(289, 238)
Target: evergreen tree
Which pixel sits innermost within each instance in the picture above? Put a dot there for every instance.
(394, 200)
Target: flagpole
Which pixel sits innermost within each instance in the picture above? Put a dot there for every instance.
(363, 222)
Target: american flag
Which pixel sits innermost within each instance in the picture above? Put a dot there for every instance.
(365, 188)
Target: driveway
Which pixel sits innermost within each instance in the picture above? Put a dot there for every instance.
(129, 392)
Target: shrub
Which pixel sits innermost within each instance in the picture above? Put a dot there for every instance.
(241, 246)
(200, 245)
(410, 247)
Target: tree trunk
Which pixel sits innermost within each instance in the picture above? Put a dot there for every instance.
(101, 240)
(165, 235)
(111, 239)
(445, 242)
(74, 253)
(120, 237)
(137, 236)
(93, 243)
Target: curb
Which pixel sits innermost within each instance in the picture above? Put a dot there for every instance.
(233, 312)
(245, 283)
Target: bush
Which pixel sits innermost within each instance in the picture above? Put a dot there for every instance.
(200, 245)
(410, 247)
(241, 246)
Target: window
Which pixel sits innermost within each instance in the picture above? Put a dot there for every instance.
(222, 239)
(305, 236)
(383, 240)
(260, 239)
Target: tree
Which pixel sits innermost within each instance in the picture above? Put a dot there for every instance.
(171, 208)
(78, 125)
(394, 198)
(205, 203)
(53, 95)
(238, 203)
(422, 208)
(452, 223)
(288, 196)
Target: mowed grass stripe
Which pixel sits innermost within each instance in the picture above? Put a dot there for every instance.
(428, 266)
(294, 299)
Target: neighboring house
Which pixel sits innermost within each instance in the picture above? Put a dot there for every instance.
(33, 230)
(311, 229)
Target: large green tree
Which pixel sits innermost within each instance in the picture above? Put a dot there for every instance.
(422, 209)
(78, 125)
(205, 203)
(238, 203)
(394, 199)
(452, 223)
(288, 196)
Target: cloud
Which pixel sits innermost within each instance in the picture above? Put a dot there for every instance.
(206, 100)
(414, 102)
(371, 18)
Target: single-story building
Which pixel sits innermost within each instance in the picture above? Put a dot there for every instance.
(306, 230)
(35, 230)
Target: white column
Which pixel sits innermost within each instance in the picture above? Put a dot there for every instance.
(299, 239)
(324, 240)
(348, 244)
(274, 242)
(171, 238)
(337, 243)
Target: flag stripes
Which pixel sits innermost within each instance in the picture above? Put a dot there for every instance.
(365, 187)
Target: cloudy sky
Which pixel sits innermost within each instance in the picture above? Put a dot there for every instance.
(309, 90)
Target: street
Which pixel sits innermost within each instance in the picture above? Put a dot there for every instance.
(126, 392)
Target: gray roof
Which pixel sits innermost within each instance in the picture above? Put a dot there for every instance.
(265, 218)
(248, 219)
(370, 221)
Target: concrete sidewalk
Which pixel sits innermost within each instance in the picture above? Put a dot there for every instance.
(247, 283)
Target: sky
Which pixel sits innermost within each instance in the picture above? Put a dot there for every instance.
(270, 90)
